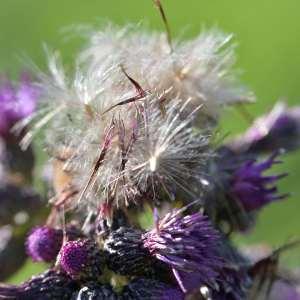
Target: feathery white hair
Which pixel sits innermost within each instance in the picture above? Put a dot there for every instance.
(129, 115)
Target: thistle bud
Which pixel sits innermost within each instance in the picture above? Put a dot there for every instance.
(126, 253)
(82, 259)
(44, 243)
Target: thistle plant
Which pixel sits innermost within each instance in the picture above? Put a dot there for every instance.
(131, 133)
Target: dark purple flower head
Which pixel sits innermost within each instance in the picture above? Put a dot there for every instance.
(43, 243)
(185, 243)
(232, 281)
(251, 188)
(17, 102)
(126, 254)
(149, 289)
(279, 129)
(81, 259)
(49, 285)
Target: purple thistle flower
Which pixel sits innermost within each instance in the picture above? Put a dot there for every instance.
(81, 259)
(253, 189)
(44, 243)
(150, 289)
(188, 244)
(279, 129)
(16, 102)
(232, 281)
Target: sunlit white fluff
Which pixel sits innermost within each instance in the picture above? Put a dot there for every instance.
(200, 68)
(169, 153)
(132, 106)
(157, 153)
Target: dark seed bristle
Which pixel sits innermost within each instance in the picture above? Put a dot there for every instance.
(126, 254)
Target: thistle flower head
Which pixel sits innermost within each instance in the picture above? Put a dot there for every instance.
(126, 254)
(279, 129)
(186, 243)
(252, 188)
(148, 153)
(17, 102)
(129, 114)
(149, 289)
(47, 286)
(231, 281)
(43, 243)
(81, 259)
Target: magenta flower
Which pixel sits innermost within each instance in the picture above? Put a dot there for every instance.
(81, 259)
(17, 102)
(43, 243)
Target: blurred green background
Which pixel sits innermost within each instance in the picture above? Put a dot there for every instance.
(268, 53)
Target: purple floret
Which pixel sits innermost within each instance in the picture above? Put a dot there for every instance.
(252, 188)
(74, 256)
(188, 244)
(82, 259)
